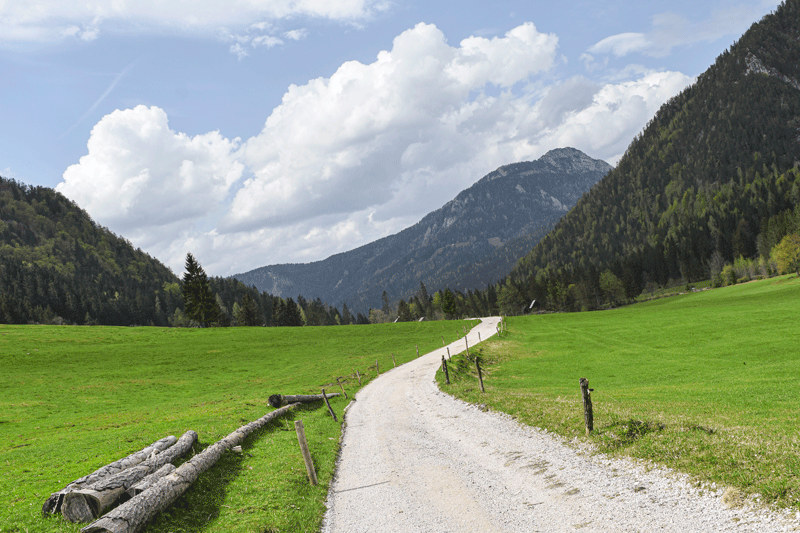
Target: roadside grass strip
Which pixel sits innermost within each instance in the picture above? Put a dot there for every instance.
(705, 383)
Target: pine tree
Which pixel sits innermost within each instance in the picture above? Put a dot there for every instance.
(199, 302)
(247, 312)
(448, 303)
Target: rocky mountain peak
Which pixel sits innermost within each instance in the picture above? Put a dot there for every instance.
(571, 160)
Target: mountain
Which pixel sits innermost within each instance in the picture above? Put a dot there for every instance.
(470, 242)
(714, 176)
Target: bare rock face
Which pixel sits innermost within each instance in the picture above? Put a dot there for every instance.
(473, 240)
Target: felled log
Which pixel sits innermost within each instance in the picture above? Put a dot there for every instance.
(134, 514)
(53, 504)
(87, 503)
(276, 400)
(148, 481)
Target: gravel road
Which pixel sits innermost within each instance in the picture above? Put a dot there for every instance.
(417, 460)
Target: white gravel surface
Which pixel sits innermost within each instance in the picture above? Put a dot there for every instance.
(415, 459)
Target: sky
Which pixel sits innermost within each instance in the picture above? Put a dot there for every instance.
(259, 132)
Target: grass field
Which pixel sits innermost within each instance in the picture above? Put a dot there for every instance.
(75, 398)
(705, 382)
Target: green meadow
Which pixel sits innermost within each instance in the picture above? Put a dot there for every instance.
(706, 382)
(75, 398)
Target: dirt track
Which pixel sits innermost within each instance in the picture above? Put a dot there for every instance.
(416, 460)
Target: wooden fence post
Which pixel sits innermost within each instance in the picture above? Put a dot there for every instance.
(588, 417)
(479, 336)
(301, 438)
(480, 374)
(377, 370)
(443, 343)
(417, 346)
(467, 345)
(359, 377)
(446, 373)
(342, 387)
(448, 354)
(394, 363)
(330, 409)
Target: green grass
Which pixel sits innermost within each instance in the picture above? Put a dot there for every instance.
(75, 398)
(705, 382)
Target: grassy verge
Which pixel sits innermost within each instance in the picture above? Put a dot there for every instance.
(705, 382)
(75, 398)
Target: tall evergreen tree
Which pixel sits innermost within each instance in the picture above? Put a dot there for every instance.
(247, 312)
(199, 302)
(448, 303)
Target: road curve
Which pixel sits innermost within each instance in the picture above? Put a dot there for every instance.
(415, 459)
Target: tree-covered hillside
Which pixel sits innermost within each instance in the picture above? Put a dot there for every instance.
(714, 176)
(56, 264)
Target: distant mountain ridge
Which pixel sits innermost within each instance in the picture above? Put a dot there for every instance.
(471, 241)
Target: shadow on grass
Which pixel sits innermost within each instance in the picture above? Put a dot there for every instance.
(200, 504)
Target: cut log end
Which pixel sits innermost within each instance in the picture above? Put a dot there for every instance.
(275, 400)
(53, 504)
(77, 508)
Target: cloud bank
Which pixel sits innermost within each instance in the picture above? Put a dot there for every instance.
(348, 159)
(55, 20)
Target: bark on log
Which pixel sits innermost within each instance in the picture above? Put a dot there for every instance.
(149, 481)
(133, 514)
(87, 503)
(276, 400)
(53, 504)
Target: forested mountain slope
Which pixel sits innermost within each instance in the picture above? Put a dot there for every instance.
(472, 241)
(56, 264)
(714, 176)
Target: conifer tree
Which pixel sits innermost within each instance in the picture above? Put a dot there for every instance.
(199, 302)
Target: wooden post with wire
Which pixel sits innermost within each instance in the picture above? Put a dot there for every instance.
(449, 358)
(480, 374)
(446, 373)
(377, 370)
(301, 438)
(342, 387)
(330, 409)
(394, 363)
(588, 416)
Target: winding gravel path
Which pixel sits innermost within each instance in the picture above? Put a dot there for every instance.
(417, 460)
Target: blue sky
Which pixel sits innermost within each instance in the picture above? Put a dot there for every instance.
(270, 131)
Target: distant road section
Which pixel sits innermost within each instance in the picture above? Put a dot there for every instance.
(416, 460)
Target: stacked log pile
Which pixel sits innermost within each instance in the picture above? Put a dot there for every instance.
(133, 514)
(146, 482)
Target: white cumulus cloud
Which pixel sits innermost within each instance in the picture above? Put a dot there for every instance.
(139, 176)
(369, 127)
(351, 158)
